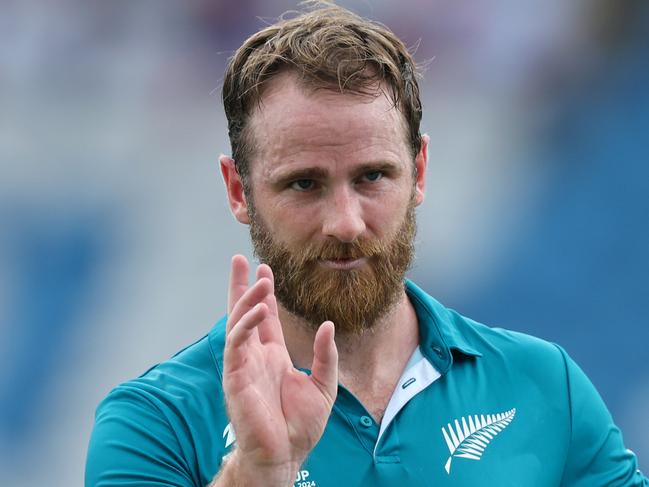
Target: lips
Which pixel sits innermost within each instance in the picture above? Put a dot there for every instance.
(345, 263)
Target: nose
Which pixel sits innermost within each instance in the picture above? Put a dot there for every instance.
(343, 217)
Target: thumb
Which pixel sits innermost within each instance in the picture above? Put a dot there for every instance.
(324, 370)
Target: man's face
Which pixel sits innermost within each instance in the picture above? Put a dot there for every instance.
(332, 203)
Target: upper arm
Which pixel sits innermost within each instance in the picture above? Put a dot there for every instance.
(597, 455)
(132, 443)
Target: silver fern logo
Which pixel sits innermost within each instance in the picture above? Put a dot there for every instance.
(470, 439)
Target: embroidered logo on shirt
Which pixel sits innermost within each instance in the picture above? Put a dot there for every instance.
(228, 435)
(470, 439)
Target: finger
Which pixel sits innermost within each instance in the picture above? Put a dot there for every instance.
(254, 295)
(238, 280)
(324, 370)
(264, 270)
(270, 330)
(241, 332)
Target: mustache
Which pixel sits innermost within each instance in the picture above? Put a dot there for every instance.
(335, 250)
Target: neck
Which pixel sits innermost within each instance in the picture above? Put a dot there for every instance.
(369, 363)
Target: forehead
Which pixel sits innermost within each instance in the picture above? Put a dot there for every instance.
(294, 123)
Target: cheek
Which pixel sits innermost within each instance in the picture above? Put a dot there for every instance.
(385, 215)
(288, 219)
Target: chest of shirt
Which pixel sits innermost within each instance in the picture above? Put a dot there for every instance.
(503, 434)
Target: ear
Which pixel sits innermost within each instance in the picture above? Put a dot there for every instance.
(421, 163)
(234, 187)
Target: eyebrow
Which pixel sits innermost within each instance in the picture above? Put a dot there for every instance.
(285, 177)
(297, 174)
(383, 166)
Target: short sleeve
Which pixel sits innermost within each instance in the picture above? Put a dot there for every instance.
(133, 444)
(596, 455)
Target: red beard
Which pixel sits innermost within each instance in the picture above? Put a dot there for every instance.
(353, 299)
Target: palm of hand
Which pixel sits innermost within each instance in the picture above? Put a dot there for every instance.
(278, 412)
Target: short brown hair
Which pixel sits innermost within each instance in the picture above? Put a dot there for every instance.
(329, 47)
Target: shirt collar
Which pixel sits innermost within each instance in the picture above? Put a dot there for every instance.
(439, 334)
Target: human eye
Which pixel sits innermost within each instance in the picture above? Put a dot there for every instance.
(373, 176)
(303, 185)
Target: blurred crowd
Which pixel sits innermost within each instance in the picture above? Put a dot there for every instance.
(115, 237)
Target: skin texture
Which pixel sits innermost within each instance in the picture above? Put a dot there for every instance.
(327, 167)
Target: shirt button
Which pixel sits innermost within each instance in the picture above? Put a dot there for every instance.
(366, 421)
(439, 352)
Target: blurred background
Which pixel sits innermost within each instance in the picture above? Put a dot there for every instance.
(115, 236)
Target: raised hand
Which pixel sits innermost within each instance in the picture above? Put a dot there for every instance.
(278, 412)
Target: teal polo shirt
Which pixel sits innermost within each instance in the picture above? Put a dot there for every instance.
(474, 406)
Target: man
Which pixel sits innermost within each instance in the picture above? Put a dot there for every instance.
(328, 165)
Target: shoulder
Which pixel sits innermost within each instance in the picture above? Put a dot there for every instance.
(525, 360)
(555, 402)
(514, 345)
(513, 367)
(172, 415)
